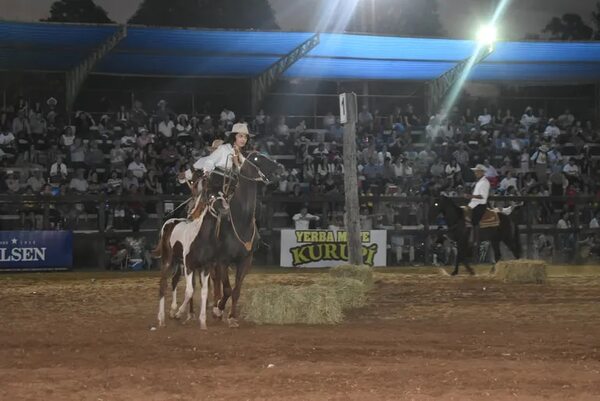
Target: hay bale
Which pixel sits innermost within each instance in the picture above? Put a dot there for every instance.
(287, 304)
(362, 273)
(351, 293)
(521, 271)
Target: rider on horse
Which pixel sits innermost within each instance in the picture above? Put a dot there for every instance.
(225, 157)
(479, 199)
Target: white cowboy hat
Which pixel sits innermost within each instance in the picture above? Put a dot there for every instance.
(240, 128)
(51, 102)
(479, 167)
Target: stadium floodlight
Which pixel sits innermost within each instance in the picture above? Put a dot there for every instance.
(487, 35)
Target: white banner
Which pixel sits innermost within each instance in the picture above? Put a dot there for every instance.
(326, 248)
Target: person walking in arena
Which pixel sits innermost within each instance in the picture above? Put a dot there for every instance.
(479, 199)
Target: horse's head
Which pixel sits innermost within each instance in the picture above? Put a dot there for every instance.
(261, 168)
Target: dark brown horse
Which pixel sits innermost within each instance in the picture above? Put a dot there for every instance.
(507, 232)
(237, 238)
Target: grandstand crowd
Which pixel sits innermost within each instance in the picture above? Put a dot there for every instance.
(138, 150)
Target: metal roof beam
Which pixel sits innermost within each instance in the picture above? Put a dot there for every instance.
(440, 87)
(78, 74)
(260, 85)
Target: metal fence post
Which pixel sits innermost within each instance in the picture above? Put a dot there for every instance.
(529, 228)
(427, 204)
(576, 222)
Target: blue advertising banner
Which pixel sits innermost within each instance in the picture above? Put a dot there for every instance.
(36, 250)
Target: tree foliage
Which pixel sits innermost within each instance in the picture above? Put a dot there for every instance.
(85, 11)
(596, 20)
(568, 27)
(226, 14)
(397, 17)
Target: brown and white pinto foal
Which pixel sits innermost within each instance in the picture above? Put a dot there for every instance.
(181, 241)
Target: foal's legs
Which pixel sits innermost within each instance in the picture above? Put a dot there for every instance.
(162, 289)
(204, 279)
(174, 282)
(189, 291)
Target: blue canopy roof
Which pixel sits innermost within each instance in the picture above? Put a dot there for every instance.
(211, 53)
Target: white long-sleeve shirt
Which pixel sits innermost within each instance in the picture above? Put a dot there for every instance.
(481, 188)
(222, 158)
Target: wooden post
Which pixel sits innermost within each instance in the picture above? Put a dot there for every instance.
(348, 116)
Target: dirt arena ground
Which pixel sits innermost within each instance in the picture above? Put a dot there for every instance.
(424, 336)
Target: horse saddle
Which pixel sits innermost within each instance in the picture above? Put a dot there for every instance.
(490, 218)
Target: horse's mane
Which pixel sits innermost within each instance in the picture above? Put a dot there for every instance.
(449, 200)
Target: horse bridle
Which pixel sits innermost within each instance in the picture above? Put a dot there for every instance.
(261, 176)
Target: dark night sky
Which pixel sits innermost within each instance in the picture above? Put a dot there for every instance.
(460, 17)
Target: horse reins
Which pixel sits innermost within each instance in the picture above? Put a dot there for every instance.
(261, 178)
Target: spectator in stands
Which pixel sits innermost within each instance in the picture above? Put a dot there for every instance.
(166, 128)
(508, 182)
(58, 171)
(227, 118)
(328, 121)
(138, 115)
(12, 183)
(36, 181)
(571, 171)
(83, 123)
(484, 119)
(432, 130)
(94, 185)
(94, 157)
(67, 138)
(409, 117)
(130, 183)
(541, 161)
(152, 184)
(123, 116)
(137, 167)
(78, 183)
(20, 123)
(365, 119)
(282, 132)
(117, 156)
(114, 183)
(552, 131)
(566, 119)
(143, 139)
(302, 220)
(437, 169)
(528, 120)
(78, 152)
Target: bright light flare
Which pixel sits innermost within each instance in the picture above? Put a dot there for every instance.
(487, 35)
